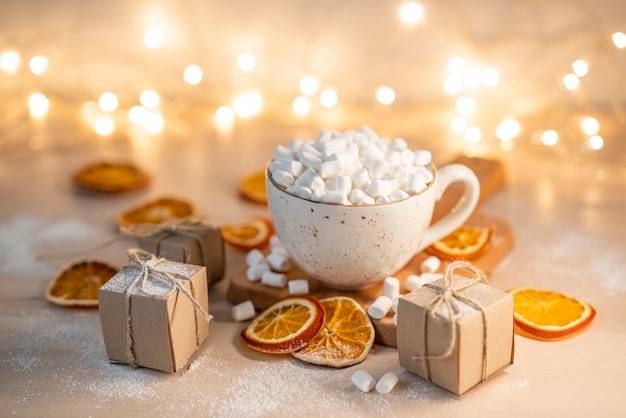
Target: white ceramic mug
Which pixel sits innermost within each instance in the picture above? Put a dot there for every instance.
(351, 247)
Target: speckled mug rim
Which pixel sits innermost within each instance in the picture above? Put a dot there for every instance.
(431, 167)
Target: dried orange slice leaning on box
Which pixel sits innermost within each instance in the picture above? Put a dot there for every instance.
(252, 187)
(77, 285)
(285, 326)
(549, 315)
(156, 212)
(466, 242)
(346, 337)
(111, 177)
(249, 233)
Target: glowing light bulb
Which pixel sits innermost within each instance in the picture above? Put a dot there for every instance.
(153, 38)
(549, 138)
(248, 105)
(149, 98)
(138, 115)
(456, 65)
(619, 39)
(104, 125)
(580, 67)
(108, 102)
(301, 105)
(508, 130)
(246, 61)
(590, 125)
(329, 98)
(571, 81)
(192, 74)
(154, 122)
(458, 124)
(453, 84)
(465, 105)
(224, 117)
(411, 13)
(596, 142)
(10, 62)
(471, 78)
(385, 95)
(490, 77)
(309, 85)
(473, 135)
(38, 65)
(38, 105)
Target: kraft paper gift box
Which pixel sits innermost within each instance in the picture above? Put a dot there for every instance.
(186, 242)
(458, 351)
(154, 312)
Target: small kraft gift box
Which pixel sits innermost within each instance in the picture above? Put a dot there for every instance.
(154, 312)
(184, 241)
(456, 331)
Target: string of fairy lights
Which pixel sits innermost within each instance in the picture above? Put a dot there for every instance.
(465, 82)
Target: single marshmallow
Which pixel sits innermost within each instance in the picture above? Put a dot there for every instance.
(310, 160)
(363, 380)
(407, 157)
(414, 282)
(391, 287)
(367, 200)
(255, 273)
(335, 196)
(416, 182)
(361, 178)
(254, 257)
(242, 311)
(274, 279)
(298, 287)
(331, 168)
(278, 262)
(356, 195)
(379, 308)
(339, 184)
(304, 192)
(423, 157)
(379, 169)
(293, 167)
(430, 264)
(283, 178)
(283, 153)
(398, 195)
(380, 187)
(387, 383)
(318, 195)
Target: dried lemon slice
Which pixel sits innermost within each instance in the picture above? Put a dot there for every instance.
(285, 326)
(252, 187)
(346, 337)
(77, 285)
(549, 315)
(466, 242)
(111, 177)
(248, 233)
(156, 212)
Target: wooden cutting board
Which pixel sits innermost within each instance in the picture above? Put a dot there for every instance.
(491, 176)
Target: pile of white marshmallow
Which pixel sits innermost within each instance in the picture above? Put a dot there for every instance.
(351, 168)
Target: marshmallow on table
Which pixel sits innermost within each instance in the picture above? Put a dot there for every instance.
(386, 383)
(255, 273)
(363, 380)
(430, 265)
(278, 262)
(243, 311)
(254, 257)
(379, 308)
(273, 279)
(298, 287)
(391, 287)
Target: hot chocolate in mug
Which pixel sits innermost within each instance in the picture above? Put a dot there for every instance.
(349, 247)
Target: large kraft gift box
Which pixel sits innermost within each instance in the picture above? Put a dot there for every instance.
(186, 242)
(154, 312)
(458, 351)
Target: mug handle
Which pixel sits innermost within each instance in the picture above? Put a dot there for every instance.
(463, 209)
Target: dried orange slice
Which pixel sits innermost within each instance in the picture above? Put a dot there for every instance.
(344, 340)
(111, 177)
(466, 242)
(156, 212)
(549, 315)
(287, 325)
(252, 187)
(248, 233)
(77, 285)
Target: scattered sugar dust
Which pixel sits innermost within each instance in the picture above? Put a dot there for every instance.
(22, 236)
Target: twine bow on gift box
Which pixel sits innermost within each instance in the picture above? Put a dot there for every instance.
(448, 295)
(150, 271)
